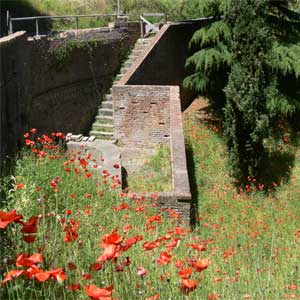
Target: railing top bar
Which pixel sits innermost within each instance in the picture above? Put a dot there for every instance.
(66, 17)
(153, 14)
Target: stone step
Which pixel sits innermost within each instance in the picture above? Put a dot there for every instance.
(137, 51)
(108, 97)
(102, 135)
(144, 41)
(105, 112)
(139, 48)
(102, 127)
(105, 119)
(107, 104)
(124, 70)
(131, 56)
(118, 77)
(128, 64)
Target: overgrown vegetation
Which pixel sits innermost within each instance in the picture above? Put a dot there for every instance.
(154, 175)
(61, 53)
(76, 235)
(249, 64)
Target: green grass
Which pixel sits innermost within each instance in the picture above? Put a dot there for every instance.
(154, 175)
(252, 239)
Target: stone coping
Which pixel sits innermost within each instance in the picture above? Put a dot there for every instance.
(8, 38)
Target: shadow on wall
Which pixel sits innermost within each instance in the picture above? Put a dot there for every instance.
(21, 8)
(165, 63)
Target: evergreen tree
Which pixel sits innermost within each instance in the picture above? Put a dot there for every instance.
(252, 47)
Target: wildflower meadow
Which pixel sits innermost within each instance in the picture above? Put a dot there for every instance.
(68, 232)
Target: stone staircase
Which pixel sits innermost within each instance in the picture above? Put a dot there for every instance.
(103, 126)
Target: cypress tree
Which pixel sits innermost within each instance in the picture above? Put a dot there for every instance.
(253, 48)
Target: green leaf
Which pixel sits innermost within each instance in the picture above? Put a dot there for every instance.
(212, 34)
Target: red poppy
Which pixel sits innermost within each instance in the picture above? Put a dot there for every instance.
(32, 272)
(57, 274)
(29, 142)
(71, 266)
(227, 253)
(11, 275)
(173, 243)
(188, 285)
(213, 296)
(110, 252)
(42, 276)
(152, 219)
(99, 293)
(73, 287)
(155, 297)
(201, 264)
(29, 238)
(133, 240)
(150, 245)
(164, 258)
(180, 230)
(86, 276)
(116, 166)
(179, 263)
(111, 239)
(71, 231)
(25, 260)
(185, 273)
(8, 217)
(96, 267)
(198, 247)
(19, 186)
(30, 226)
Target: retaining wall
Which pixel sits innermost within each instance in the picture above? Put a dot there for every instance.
(15, 92)
(37, 90)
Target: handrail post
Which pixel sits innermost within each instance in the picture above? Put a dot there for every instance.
(142, 28)
(76, 19)
(36, 27)
(9, 21)
(119, 8)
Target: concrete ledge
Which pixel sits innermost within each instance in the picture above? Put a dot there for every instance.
(12, 37)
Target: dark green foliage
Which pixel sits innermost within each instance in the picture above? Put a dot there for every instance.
(249, 63)
(213, 60)
(247, 121)
(62, 53)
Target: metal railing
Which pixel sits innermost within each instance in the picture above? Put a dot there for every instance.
(75, 17)
(147, 26)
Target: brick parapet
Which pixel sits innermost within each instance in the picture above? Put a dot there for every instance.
(141, 115)
(146, 116)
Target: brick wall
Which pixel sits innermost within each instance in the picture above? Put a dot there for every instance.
(147, 109)
(15, 93)
(141, 115)
(66, 98)
(147, 116)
